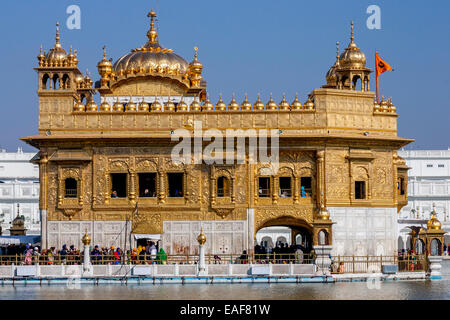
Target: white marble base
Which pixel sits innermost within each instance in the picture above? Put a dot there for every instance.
(364, 231)
(222, 237)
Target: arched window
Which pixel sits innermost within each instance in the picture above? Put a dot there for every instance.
(420, 247)
(65, 82)
(44, 81)
(357, 82)
(435, 247)
(323, 237)
(56, 83)
(223, 187)
(71, 190)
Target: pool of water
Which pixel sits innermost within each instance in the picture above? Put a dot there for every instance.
(391, 290)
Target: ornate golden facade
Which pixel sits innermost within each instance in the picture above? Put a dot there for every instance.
(339, 136)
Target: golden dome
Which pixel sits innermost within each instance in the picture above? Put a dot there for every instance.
(220, 105)
(352, 57)
(309, 105)
(151, 58)
(130, 106)
(78, 106)
(434, 223)
(258, 105)
(91, 106)
(182, 106)
(86, 239)
(169, 106)
(104, 106)
(383, 104)
(233, 106)
(195, 106)
(156, 106)
(143, 106)
(104, 66)
(271, 105)
(246, 105)
(201, 238)
(331, 74)
(323, 214)
(296, 104)
(391, 106)
(118, 107)
(56, 55)
(207, 105)
(284, 105)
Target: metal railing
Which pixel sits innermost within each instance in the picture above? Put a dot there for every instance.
(368, 264)
(104, 259)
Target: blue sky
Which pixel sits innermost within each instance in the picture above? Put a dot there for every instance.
(245, 47)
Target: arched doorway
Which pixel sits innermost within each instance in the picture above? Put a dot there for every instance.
(295, 233)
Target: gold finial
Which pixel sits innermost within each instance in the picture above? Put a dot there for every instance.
(57, 44)
(195, 54)
(104, 52)
(41, 49)
(352, 38)
(337, 51)
(201, 237)
(86, 238)
(152, 34)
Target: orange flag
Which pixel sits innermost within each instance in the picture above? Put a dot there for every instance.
(381, 66)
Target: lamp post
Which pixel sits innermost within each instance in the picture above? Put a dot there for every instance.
(87, 267)
(201, 252)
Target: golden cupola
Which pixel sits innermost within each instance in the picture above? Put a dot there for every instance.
(220, 105)
(56, 56)
(195, 71)
(434, 223)
(284, 105)
(296, 104)
(258, 105)
(152, 59)
(233, 106)
(271, 104)
(207, 105)
(352, 57)
(104, 69)
(331, 74)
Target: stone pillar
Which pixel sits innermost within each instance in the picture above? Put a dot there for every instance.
(323, 261)
(435, 267)
(201, 268)
(250, 230)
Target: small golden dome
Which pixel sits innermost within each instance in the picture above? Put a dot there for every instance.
(323, 213)
(201, 238)
(57, 55)
(258, 105)
(169, 106)
(391, 106)
(143, 106)
(156, 106)
(284, 105)
(118, 106)
(104, 66)
(104, 106)
(220, 105)
(41, 57)
(79, 106)
(91, 106)
(331, 77)
(271, 105)
(352, 57)
(130, 106)
(296, 104)
(86, 239)
(246, 105)
(207, 105)
(376, 106)
(233, 106)
(309, 105)
(182, 106)
(434, 223)
(383, 105)
(195, 106)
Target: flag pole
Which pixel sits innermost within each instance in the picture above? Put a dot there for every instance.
(376, 75)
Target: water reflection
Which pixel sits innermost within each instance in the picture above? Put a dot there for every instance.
(344, 290)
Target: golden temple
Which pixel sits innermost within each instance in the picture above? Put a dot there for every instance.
(108, 168)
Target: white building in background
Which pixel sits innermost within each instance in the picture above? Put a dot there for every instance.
(428, 185)
(19, 185)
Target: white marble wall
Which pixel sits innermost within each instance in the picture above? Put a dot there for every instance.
(222, 237)
(103, 233)
(364, 231)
